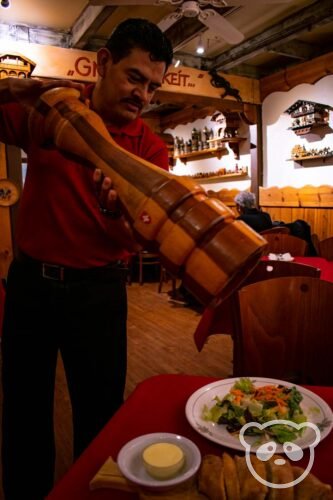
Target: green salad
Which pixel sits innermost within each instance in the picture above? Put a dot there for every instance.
(246, 403)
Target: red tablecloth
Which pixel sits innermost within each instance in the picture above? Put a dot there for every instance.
(326, 266)
(158, 405)
(218, 320)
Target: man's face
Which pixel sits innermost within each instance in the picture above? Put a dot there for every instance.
(127, 86)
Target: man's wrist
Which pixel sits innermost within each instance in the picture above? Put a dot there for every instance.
(113, 214)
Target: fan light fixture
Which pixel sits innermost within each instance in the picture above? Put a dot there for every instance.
(5, 4)
(177, 63)
(200, 47)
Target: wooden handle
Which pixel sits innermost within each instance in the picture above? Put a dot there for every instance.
(197, 237)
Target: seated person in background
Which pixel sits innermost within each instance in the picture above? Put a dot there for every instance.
(249, 213)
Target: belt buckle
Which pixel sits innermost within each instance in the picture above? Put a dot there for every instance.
(53, 272)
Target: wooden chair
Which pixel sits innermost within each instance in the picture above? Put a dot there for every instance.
(326, 248)
(283, 243)
(164, 278)
(276, 230)
(225, 318)
(284, 330)
(266, 270)
(147, 258)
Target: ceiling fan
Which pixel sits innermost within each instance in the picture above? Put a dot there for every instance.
(209, 17)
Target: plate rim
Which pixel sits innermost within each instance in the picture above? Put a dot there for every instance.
(237, 445)
(156, 483)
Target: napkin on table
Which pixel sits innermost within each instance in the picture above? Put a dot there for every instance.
(110, 476)
(280, 256)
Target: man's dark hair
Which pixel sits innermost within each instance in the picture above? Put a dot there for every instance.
(142, 34)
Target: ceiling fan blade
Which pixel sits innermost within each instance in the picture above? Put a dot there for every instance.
(220, 26)
(169, 20)
(123, 3)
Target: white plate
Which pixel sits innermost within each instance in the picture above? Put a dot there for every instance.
(131, 464)
(315, 409)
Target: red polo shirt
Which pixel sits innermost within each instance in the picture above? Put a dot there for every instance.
(59, 219)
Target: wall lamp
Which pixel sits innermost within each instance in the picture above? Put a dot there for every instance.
(5, 4)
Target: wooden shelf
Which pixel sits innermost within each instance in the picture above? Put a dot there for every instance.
(221, 178)
(227, 139)
(218, 152)
(203, 154)
(233, 143)
(300, 159)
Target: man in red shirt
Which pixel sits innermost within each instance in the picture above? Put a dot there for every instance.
(66, 288)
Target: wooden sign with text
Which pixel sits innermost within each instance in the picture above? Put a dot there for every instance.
(57, 62)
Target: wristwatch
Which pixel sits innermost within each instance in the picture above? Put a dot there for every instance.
(113, 214)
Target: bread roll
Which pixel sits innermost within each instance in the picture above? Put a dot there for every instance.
(211, 478)
(250, 487)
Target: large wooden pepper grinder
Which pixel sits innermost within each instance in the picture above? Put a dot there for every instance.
(197, 237)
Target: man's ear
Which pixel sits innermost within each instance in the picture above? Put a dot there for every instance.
(103, 57)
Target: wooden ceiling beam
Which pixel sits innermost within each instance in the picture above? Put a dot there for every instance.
(317, 14)
(295, 50)
(35, 34)
(88, 23)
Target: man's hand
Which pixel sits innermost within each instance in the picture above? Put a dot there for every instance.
(107, 196)
(26, 91)
(110, 207)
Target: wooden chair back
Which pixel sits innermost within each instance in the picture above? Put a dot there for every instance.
(270, 269)
(285, 330)
(283, 243)
(276, 230)
(326, 248)
(226, 317)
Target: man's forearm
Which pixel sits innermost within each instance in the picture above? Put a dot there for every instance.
(26, 91)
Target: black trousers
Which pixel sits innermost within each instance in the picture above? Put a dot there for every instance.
(86, 320)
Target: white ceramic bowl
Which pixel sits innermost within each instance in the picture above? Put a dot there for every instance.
(131, 464)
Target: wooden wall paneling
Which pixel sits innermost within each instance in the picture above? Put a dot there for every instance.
(309, 196)
(227, 196)
(270, 197)
(325, 194)
(307, 72)
(310, 203)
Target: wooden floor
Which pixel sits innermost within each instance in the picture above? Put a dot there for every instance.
(160, 340)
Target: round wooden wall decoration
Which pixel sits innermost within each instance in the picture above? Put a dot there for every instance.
(9, 193)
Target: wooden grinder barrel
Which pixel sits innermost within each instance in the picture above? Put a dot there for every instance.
(197, 237)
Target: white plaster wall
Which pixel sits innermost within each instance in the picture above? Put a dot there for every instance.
(213, 164)
(278, 141)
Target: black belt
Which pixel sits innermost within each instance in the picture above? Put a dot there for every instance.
(116, 270)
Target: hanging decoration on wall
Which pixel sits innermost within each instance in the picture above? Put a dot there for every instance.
(307, 115)
(15, 65)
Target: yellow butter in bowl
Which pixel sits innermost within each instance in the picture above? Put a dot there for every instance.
(163, 460)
